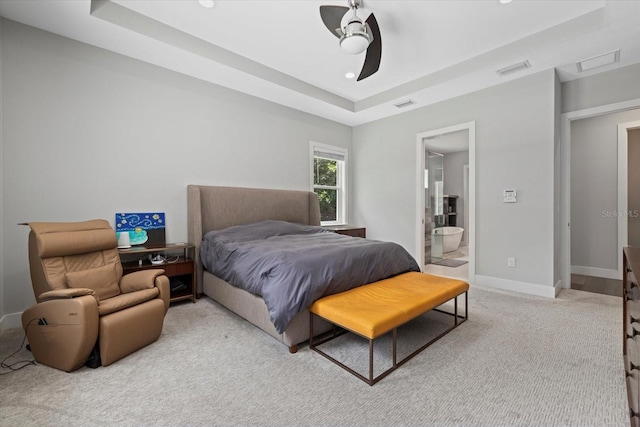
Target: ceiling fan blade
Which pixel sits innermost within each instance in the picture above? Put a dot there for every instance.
(374, 51)
(332, 16)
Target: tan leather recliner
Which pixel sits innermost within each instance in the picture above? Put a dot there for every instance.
(83, 300)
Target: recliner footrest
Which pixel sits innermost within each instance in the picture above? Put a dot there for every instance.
(135, 327)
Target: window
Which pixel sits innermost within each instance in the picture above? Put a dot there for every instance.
(328, 177)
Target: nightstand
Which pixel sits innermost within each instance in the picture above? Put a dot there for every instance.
(348, 230)
(179, 267)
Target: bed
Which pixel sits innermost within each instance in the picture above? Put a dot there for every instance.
(217, 210)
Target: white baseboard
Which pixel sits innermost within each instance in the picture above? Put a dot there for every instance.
(596, 272)
(11, 321)
(514, 285)
(558, 286)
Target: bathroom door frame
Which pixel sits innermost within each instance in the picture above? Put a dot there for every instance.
(465, 192)
(471, 203)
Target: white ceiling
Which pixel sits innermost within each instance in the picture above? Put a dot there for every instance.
(280, 50)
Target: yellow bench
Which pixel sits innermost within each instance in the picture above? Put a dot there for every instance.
(373, 310)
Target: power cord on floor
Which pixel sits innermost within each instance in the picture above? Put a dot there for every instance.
(24, 363)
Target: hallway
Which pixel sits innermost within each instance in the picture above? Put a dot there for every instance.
(596, 285)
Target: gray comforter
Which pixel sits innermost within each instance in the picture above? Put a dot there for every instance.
(291, 265)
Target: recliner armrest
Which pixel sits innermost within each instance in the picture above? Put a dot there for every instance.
(62, 332)
(66, 293)
(139, 280)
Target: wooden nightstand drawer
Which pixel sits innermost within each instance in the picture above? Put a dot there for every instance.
(176, 269)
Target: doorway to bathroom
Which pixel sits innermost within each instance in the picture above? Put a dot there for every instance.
(446, 201)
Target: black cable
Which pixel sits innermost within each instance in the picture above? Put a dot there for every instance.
(26, 363)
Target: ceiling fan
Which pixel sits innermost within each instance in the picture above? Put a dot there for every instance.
(355, 36)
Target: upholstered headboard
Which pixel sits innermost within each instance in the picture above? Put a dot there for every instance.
(214, 208)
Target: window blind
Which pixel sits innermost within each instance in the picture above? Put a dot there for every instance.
(328, 155)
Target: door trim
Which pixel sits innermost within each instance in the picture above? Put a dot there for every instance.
(623, 186)
(565, 178)
(420, 217)
(465, 191)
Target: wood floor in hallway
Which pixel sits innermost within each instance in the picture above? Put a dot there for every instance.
(596, 285)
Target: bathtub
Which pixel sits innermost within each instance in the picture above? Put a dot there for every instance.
(451, 237)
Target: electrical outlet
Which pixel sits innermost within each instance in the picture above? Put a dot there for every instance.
(511, 262)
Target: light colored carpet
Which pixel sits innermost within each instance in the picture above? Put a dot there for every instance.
(518, 361)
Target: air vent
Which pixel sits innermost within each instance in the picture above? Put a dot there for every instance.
(404, 104)
(599, 61)
(513, 68)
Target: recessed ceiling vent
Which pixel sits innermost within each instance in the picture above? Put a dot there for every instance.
(599, 61)
(513, 68)
(404, 104)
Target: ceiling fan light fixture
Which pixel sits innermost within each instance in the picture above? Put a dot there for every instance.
(355, 38)
(355, 35)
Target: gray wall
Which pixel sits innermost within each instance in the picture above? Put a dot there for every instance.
(594, 187)
(606, 88)
(611, 87)
(634, 188)
(514, 149)
(2, 243)
(454, 182)
(557, 240)
(88, 133)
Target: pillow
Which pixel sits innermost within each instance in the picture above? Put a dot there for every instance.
(103, 280)
(261, 230)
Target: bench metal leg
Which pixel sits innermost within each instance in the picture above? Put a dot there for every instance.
(457, 320)
(370, 361)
